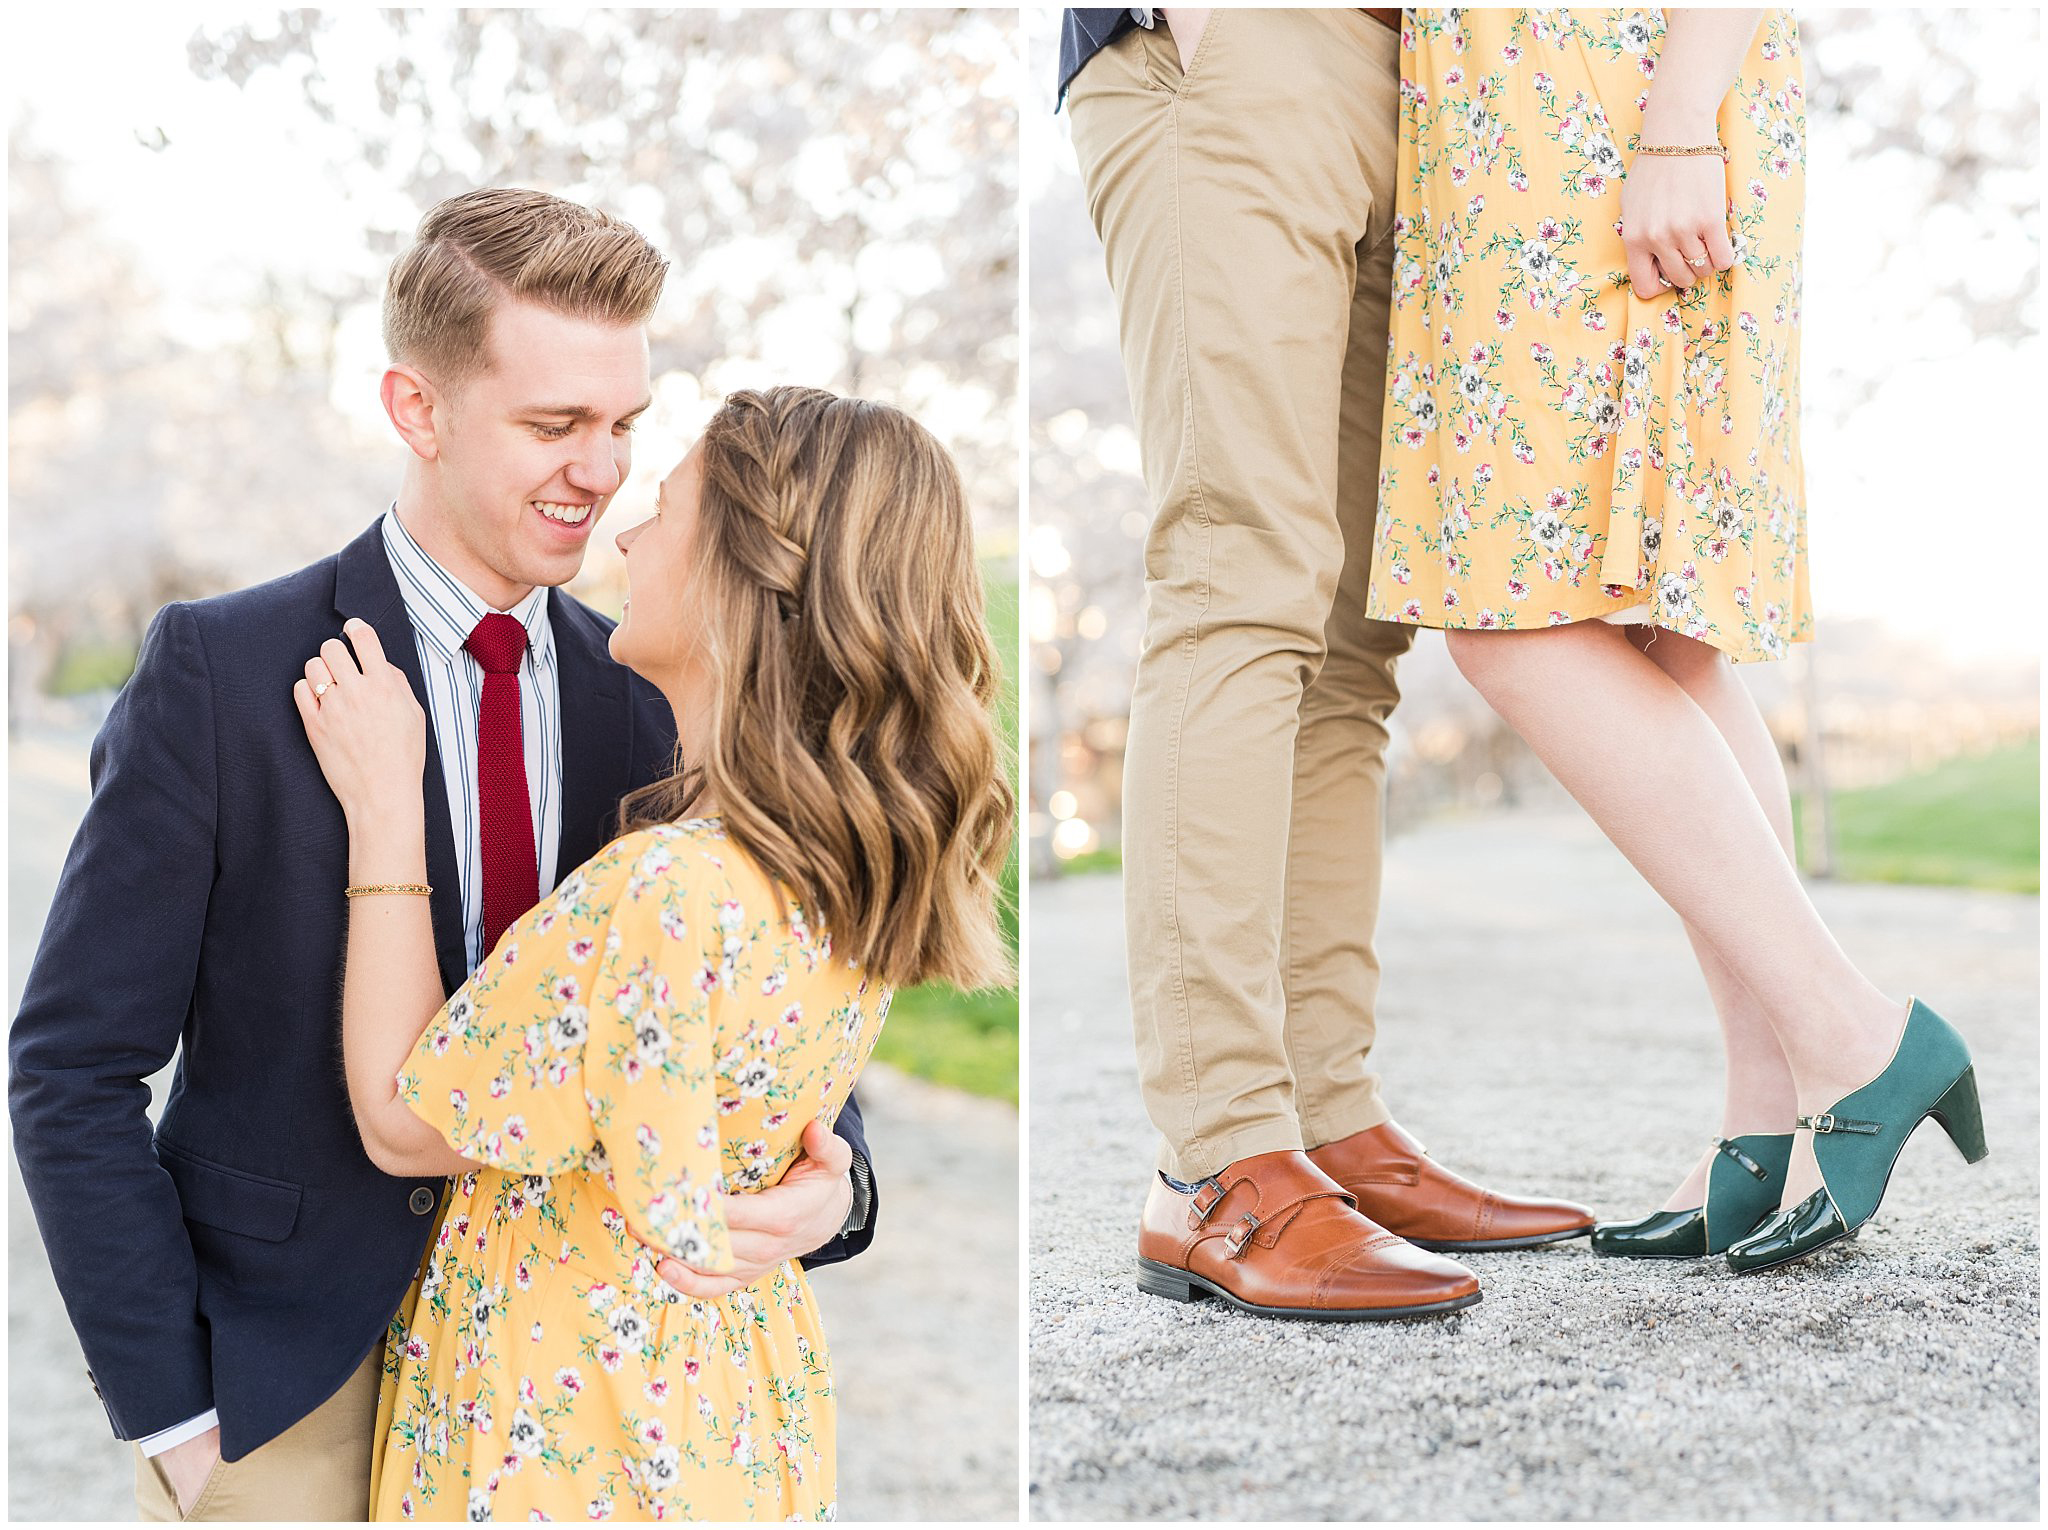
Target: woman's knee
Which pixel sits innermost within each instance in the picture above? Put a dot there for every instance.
(1495, 661)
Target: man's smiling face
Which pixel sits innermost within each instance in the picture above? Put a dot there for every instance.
(529, 452)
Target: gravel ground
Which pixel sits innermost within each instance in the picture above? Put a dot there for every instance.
(922, 1326)
(1543, 1030)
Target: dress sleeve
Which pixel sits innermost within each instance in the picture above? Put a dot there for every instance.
(586, 1042)
(649, 1067)
(499, 1071)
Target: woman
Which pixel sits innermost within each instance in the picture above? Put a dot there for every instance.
(1591, 481)
(655, 1035)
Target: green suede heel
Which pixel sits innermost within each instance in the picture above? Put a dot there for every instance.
(1744, 1183)
(1857, 1142)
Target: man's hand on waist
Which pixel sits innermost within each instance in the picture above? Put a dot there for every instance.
(803, 1211)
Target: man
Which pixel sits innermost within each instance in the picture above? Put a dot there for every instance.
(231, 1277)
(1240, 168)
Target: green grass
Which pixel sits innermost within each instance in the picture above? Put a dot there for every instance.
(1104, 857)
(1967, 823)
(969, 1040)
(86, 667)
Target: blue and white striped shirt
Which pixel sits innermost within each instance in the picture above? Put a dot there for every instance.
(444, 612)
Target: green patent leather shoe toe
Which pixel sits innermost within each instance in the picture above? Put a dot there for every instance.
(1791, 1234)
(1857, 1143)
(1660, 1235)
(1743, 1185)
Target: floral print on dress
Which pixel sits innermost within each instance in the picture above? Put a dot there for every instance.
(647, 1042)
(1557, 449)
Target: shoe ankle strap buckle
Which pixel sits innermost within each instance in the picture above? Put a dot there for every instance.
(1239, 1237)
(1828, 1121)
(1755, 1169)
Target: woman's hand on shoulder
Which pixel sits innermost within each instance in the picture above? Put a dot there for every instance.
(366, 727)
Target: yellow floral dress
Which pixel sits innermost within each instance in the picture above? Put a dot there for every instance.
(646, 1042)
(1557, 448)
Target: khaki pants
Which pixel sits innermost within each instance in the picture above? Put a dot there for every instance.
(1246, 209)
(319, 1469)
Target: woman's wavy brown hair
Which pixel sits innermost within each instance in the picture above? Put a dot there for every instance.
(848, 746)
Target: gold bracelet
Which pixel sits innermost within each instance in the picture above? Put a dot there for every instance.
(418, 889)
(1680, 150)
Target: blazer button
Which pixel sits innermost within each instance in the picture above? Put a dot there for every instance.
(422, 1201)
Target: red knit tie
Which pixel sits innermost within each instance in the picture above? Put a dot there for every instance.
(511, 871)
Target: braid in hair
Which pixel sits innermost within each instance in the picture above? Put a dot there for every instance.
(850, 746)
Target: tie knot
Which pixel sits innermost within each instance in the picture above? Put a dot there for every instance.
(498, 644)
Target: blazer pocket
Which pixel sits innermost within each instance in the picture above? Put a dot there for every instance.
(231, 1199)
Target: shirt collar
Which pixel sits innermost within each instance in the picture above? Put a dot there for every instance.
(443, 609)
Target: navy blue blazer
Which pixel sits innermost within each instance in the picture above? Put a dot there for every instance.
(247, 1256)
(1085, 33)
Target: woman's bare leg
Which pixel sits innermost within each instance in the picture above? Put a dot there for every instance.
(1757, 1089)
(1651, 768)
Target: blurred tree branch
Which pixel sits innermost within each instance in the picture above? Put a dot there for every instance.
(847, 177)
(861, 159)
(1911, 87)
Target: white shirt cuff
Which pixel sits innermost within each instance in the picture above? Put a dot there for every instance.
(156, 1444)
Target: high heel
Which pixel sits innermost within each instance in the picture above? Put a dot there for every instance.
(1962, 1117)
(1856, 1144)
(1744, 1183)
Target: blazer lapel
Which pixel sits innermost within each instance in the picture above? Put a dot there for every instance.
(597, 733)
(365, 586)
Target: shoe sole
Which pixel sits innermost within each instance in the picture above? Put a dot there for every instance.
(1491, 1245)
(1185, 1286)
(1615, 1253)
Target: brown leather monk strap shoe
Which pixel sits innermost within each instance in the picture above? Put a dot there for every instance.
(1273, 1234)
(1402, 1188)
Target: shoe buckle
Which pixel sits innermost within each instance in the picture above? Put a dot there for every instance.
(1215, 1192)
(1235, 1242)
(1828, 1121)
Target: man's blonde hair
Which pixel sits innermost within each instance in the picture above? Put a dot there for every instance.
(503, 242)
